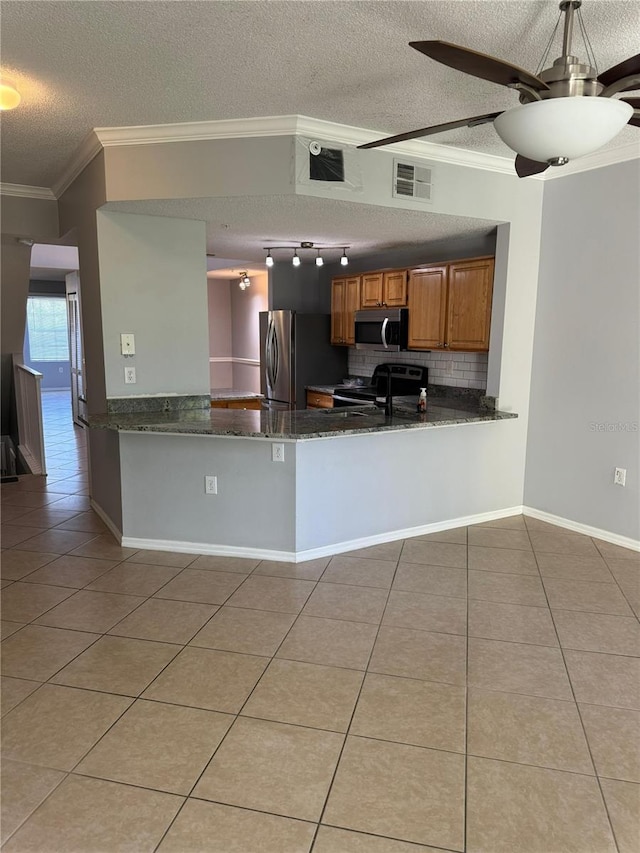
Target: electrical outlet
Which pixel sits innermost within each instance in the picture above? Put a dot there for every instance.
(620, 476)
(210, 485)
(130, 376)
(450, 368)
(277, 452)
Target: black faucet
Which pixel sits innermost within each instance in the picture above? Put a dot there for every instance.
(388, 403)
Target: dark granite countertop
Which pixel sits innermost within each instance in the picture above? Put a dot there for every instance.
(303, 424)
(234, 394)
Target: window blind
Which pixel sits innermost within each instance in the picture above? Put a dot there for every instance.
(47, 324)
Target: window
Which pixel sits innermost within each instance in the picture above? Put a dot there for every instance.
(47, 324)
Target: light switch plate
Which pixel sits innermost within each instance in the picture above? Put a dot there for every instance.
(127, 344)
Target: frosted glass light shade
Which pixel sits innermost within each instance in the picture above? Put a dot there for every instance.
(9, 95)
(562, 127)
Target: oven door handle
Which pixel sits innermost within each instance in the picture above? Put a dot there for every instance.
(383, 332)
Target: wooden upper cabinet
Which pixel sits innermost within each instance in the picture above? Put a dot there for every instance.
(351, 305)
(388, 289)
(371, 290)
(338, 290)
(345, 301)
(394, 288)
(469, 304)
(427, 307)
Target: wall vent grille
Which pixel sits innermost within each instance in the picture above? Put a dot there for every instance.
(412, 181)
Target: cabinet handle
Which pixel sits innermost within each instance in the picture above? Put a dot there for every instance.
(446, 345)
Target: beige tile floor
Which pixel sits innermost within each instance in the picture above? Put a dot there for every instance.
(474, 690)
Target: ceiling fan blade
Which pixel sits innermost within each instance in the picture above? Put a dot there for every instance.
(526, 167)
(436, 128)
(635, 103)
(478, 64)
(629, 68)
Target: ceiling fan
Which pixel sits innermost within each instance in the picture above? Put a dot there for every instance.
(567, 109)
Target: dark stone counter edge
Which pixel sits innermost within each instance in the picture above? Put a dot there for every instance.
(243, 424)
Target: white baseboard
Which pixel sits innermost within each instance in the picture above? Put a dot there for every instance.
(29, 461)
(105, 518)
(313, 553)
(207, 548)
(364, 542)
(587, 530)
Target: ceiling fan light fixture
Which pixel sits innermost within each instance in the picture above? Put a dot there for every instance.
(9, 95)
(561, 129)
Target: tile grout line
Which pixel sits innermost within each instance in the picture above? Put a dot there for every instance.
(465, 824)
(237, 714)
(353, 712)
(584, 731)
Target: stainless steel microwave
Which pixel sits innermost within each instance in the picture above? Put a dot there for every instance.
(384, 329)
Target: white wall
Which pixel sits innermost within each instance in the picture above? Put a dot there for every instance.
(153, 284)
(246, 306)
(219, 303)
(254, 507)
(386, 483)
(585, 385)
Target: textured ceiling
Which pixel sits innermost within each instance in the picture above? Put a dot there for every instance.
(83, 64)
(242, 227)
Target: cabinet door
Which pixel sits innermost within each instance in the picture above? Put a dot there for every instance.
(394, 288)
(427, 307)
(338, 291)
(372, 290)
(351, 305)
(469, 304)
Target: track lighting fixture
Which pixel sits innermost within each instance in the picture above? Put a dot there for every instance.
(296, 260)
(244, 282)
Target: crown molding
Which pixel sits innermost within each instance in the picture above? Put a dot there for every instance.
(299, 125)
(24, 191)
(597, 160)
(293, 125)
(195, 131)
(84, 154)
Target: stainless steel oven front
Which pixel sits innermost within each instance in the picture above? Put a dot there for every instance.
(385, 329)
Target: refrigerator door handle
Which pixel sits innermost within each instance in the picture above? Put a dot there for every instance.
(270, 357)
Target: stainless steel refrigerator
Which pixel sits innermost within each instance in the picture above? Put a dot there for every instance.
(295, 351)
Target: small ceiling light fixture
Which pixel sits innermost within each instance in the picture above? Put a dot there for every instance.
(306, 245)
(9, 95)
(245, 281)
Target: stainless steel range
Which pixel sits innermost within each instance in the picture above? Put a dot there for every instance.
(405, 380)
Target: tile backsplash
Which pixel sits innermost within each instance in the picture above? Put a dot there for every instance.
(458, 369)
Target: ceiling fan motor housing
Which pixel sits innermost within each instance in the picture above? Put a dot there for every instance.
(567, 78)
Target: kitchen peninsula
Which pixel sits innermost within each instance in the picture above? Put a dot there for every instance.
(340, 480)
